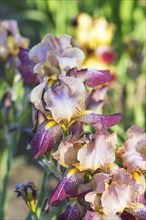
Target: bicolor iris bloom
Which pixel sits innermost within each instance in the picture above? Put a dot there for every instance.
(61, 106)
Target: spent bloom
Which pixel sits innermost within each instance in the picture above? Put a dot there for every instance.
(28, 191)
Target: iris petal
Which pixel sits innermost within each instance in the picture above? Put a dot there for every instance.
(75, 212)
(96, 120)
(67, 187)
(26, 67)
(45, 139)
(91, 77)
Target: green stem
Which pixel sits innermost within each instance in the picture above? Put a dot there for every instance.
(35, 216)
(42, 191)
(6, 165)
(6, 162)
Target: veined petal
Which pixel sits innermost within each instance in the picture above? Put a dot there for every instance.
(120, 196)
(75, 212)
(45, 139)
(97, 154)
(66, 99)
(68, 186)
(100, 121)
(91, 77)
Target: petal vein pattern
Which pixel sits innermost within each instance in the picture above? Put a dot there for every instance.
(45, 139)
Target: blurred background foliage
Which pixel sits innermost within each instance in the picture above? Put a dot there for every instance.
(39, 17)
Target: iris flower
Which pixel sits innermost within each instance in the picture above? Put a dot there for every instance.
(119, 189)
(91, 33)
(133, 152)
(55, 54)
(60, 106)
(11, 39)
(87, 154)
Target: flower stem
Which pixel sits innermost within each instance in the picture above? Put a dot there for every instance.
(6, 165)
(35, 217)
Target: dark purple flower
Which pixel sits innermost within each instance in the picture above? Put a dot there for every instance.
(26, 67)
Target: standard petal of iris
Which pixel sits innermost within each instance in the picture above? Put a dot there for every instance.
(57, 43)
(45, 139)
(97, 154)
(100, 121)
(120, 196)
(75, 212)
(39, 52)
(70, 58)
(68, 187)
(58, 49)
(91, 77)
(134, 150)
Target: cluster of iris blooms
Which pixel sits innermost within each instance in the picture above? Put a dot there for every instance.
(97, 179)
